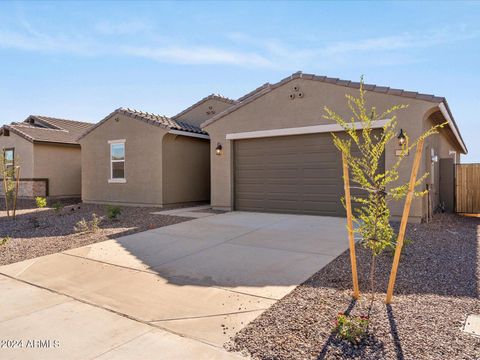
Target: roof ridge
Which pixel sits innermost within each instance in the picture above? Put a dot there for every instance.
(202, 100)
(150, 118)
(36, 127)
(334, 81)
(61, 119)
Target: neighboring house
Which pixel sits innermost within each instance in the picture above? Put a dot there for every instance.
(138, 158)
(48, 154)
(273, 152)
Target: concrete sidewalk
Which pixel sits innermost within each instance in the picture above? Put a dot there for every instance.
(200, 281)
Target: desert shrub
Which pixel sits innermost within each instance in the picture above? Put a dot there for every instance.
(41, 202)
(113, 212)
(57, 207)
(351, 328)
(4, 240)
(92, 226)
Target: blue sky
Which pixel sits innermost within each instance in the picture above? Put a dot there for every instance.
(82, 60)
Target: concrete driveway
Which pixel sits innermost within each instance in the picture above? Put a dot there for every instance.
(180, 291)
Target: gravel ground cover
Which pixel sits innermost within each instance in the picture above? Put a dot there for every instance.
(37, 232)
(211, 211)
(437, 287)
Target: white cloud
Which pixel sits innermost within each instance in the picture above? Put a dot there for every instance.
(122, 27)
(197, 55)
(241, 49)
(403, 41)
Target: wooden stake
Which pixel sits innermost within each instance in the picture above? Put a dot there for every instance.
(16, 192)
(403, 224)
(6, 196)
(348, 205)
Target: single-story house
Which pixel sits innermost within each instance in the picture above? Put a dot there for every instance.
(138, 158)
(272, 151)
(47, 151)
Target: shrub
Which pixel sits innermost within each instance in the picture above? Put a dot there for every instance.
(406, 243)
(92, 226)
(41, 202)
(57, 207)
(351, 328)
(4, 240)
(113, 212)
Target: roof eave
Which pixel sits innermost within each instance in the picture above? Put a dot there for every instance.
(447, 114)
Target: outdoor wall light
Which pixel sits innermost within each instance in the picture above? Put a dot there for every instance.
(401, 138)
(218, 149)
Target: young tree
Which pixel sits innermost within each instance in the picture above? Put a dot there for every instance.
(9, 175)
(372, 215)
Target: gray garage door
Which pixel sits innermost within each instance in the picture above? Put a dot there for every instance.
(299, 174)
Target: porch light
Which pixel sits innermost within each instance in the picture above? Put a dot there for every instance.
(218, 149)
(401, 138)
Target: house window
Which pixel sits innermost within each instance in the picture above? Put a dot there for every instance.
(117, 161)
(9, 159)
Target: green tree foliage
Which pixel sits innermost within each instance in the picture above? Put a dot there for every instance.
(7, 175)
(372, 215)
(41, 202)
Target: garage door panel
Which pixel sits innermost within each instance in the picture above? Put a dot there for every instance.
(289, 174)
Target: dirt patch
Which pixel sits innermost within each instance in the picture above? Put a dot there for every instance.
(437, 287)
(40, 232)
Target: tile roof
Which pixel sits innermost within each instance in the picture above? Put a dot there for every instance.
(346, 83)
(150, 118)
(37, 128)
(209, 97)
(267, 87)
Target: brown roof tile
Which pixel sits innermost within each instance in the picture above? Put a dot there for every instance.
(38, 128)
(209, 97)
(150, 118)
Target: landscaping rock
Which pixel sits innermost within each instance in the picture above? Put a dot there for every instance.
(437, 287)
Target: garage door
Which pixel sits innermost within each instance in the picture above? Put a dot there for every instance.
(299, 174)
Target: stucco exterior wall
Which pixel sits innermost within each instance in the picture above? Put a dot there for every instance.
(442, 145)
(203, 112)
(143, 163)
(61, 165)
(275, 110)
(186, 169)
(23, 153)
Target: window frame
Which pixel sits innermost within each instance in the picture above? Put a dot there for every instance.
(12, 149)
(113, 180)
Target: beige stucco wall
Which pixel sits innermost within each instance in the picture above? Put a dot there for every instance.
(442, 144)
(23, 153)
(143, 162)
(202, 112)
(276, 110)
(61, 164)
(186, 169)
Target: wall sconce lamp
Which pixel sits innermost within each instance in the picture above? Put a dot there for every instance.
(218, 149)
(402, 139)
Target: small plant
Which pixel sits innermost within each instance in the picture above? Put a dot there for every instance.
(113, 212)
(406, 242)
(35, 222)
(57, 207)
(92, 226)
(4, 240)
(41, 202)
(351, 328)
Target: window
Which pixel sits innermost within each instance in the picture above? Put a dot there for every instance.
(9, 159)
(117, 161)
